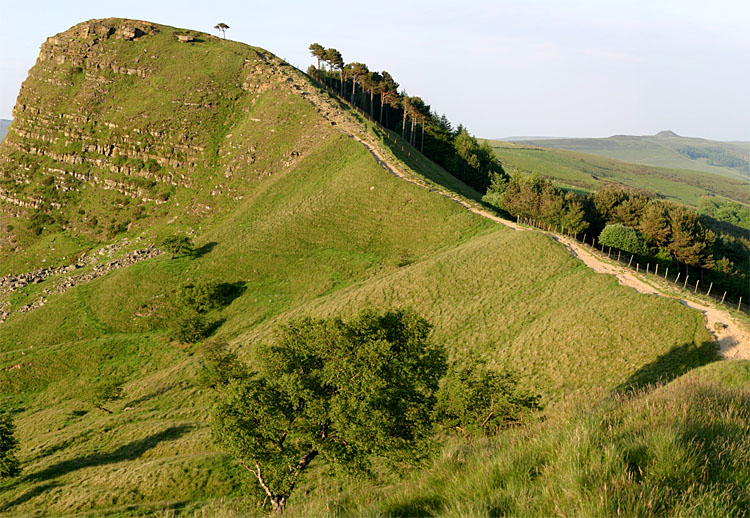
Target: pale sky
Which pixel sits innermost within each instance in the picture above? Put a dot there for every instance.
(547, 68)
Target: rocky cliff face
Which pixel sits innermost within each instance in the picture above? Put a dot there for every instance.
(120, 117)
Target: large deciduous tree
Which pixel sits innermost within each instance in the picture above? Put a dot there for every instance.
(341, 392)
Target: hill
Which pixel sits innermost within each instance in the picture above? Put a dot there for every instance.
(590, 172)
(665, 149)
(4, 123)
(127, 132)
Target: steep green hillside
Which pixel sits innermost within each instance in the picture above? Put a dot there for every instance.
(288, 212)
(665, 149)
(582, 170)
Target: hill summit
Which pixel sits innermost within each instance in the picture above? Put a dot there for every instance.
(147, 118)
(666, 133)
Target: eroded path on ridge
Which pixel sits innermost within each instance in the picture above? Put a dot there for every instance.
(733, 338)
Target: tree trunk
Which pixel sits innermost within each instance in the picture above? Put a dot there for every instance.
(278, 504)
(403, 126)
(354, 87)
(381, 109)
(422, 150)
(372, 100)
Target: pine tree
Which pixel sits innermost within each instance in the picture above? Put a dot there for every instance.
(9, 465)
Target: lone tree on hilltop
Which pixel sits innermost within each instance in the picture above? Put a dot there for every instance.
(343, 392)
(9, 465)
(223, 28)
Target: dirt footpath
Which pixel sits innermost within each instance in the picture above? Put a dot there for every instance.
(733, 338)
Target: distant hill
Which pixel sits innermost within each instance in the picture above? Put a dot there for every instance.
(525, 138)
(4, 123)
(665, 149)
(590, 172)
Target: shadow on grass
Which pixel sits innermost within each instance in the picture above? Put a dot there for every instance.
(152, 395)
(226, 292)
(670, 365)
(130, 451)
(31, 493)
(420, 505)
(203, 250)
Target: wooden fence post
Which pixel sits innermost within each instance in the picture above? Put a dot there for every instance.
(722, 297)
(637, 267)
(739, 305)
(709, 290)
(656, 271)
(647, 267)
(619, 253)
(609, 251)
(666, 273)
(678, 277)
(631, 260)
(696, 286)
(584, 239)
(686, 279)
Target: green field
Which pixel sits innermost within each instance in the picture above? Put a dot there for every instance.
(665, 149)
(589, 172)
(332, 233)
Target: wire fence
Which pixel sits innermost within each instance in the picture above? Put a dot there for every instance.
(651, 270)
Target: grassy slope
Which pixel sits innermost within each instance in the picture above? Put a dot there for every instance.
(655, 150)
(331, 234)
(680, 450)
(589, 172)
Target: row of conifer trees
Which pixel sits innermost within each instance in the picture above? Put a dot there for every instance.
(378, 94)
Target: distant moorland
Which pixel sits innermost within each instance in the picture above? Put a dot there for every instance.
(665, 149)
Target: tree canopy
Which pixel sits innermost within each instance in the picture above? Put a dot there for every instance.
(343, 392)
(222, 27)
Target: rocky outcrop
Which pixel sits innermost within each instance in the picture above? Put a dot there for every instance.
(105, 109)
(90, 265)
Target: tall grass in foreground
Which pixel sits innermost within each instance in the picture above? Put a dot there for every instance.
(677, 450)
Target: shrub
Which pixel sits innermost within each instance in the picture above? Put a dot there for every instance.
(177, 245)
(623, 238)
(9, 465)
(201, 296)
(99, 392)
(190, 327)
(475, 400)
